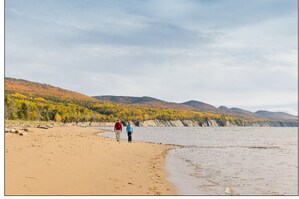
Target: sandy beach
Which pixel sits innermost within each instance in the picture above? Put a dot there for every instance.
(75, 161)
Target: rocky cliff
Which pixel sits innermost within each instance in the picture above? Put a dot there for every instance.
(213, 123)
(191, 123)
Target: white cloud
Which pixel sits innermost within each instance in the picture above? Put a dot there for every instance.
(179, 51)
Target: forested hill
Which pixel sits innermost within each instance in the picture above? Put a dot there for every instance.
(197, 106)
(44, 90)
(143, 102)
(26, 100)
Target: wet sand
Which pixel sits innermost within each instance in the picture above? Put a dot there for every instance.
(75, 161)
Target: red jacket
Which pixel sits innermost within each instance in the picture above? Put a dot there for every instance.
(118, 126)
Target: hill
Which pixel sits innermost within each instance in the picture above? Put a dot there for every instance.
(237, 111)
(44, 90)
(276, 115)
(194, 105)
(127, 99)
(27, 100)
(200, 106)
(143, 102)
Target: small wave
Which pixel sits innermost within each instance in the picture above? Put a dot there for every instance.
(101, 134)
(229, 190)
(223, 147)
(264, 147)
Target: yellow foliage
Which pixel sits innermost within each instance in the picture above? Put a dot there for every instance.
(19, 95)
(40, 99)
(57, 117)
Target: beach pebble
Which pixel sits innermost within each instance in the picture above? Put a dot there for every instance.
(7, 130)
(19, 131)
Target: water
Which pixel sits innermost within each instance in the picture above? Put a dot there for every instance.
(230, 160)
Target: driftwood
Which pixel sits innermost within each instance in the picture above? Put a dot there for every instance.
(7, 130)
(49, 125)
(19, 131)
(42, 127)
(13, 131)
(26, 129)
(22, 133)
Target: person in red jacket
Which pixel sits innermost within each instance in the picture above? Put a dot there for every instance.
(118, 127)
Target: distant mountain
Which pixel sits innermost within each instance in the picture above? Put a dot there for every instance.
(224, 108)
(241, 111)
(196, 106)
(144, 102)
(275, 115)
(127, 99)
(237, 111)
(200, 106)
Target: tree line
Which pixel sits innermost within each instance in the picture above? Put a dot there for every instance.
(24, 106)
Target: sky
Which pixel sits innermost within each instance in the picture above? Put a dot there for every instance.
(235, 53)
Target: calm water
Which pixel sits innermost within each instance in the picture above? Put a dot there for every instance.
(230, 160)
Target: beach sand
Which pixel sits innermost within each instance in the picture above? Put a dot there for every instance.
(75, 161)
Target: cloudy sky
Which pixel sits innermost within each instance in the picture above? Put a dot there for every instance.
(236, 53)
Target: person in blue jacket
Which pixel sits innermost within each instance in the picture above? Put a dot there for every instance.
(129, 131)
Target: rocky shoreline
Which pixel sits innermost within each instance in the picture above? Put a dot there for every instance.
(214, 123)
(22, 128)
(190, 123)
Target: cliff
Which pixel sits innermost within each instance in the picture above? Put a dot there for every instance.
(213, 123)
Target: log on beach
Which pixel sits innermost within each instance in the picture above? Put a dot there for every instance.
(42, 127)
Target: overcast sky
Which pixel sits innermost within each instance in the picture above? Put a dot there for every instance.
(236, 53)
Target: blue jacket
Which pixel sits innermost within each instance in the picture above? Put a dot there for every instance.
(129, 128)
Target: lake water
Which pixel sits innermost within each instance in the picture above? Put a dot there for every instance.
(228, 160)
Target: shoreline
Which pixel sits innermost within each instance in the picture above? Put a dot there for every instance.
(77, 161)
(159, 123)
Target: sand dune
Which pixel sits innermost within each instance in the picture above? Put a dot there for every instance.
(75, 161)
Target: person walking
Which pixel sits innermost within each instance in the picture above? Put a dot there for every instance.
(129, 131)
(118, 127)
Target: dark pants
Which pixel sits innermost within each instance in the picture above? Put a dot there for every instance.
(129, 136)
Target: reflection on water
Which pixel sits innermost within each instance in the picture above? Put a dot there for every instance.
(230, 160)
